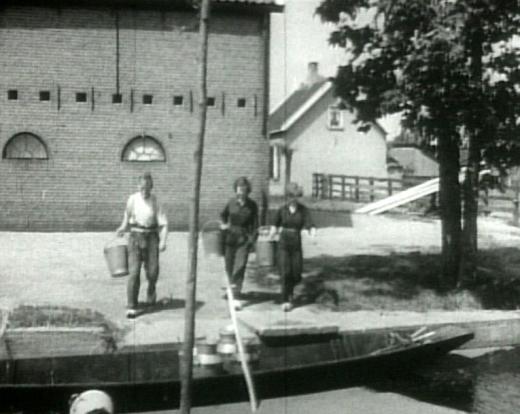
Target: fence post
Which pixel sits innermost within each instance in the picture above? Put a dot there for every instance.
(343, 187)
(324, 190)
(390, 190)
(356, 192)
(371, 184)
(330, 186)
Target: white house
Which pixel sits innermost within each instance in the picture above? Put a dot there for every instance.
(312, 132)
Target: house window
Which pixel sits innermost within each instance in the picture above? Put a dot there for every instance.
(274, 161)
(81, 97)
(241, 102)
(117, 98)
(178, 100)
(143, 149)
(147, 99)
(45, 96)
(335, 118)
(25, 146)
(12, 94)
(211, 101)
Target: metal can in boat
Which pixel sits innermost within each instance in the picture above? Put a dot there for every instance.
(227, 344)
(251, 352)
(207, 354)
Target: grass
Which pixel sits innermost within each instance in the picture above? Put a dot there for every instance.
(410, 282)
(28, 316)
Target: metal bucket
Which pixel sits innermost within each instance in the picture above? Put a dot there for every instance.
(213, 239)
(207, 354)
(227, 344)
(265, 248)
(116, 256)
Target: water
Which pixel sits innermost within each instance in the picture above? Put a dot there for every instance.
(489, 384)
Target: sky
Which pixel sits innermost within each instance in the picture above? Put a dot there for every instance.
(298, 37)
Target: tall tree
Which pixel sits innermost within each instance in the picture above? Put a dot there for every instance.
(439, 63)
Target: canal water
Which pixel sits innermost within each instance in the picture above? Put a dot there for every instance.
(488, 384)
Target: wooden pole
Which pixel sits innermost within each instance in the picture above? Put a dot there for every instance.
(186, 367)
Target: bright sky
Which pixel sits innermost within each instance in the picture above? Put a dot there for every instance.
(298, 37)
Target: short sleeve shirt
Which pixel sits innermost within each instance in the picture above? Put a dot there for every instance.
(145, 213)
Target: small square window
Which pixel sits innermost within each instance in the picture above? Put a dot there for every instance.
(81, 97)
(178, 100)
(335, 118)
(241, 102)
(12, 94)
(117, 98)
(147, 99)
(45, 96)
(210, 101)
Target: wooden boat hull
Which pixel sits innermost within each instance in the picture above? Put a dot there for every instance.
(147, 380)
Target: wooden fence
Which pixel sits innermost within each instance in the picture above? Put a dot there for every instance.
(359, 189)
(367, 189)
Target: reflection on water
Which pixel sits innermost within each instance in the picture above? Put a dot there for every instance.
(489, 384)
(497, 383)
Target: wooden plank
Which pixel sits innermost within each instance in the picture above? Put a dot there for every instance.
(295, 330)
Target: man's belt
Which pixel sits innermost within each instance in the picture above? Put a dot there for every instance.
(233, 228)
(143, 229)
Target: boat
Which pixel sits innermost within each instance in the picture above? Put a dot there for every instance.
(146, 378)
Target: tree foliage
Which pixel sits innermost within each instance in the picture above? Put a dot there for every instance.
(415, 56)
(451, 67)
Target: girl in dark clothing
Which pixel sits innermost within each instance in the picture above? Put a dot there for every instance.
(289, 221)
(240, 220)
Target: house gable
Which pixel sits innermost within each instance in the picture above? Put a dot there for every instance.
(298, 105)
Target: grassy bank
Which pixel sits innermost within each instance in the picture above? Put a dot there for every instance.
(410, 281)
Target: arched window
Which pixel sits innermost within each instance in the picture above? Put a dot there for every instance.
(144, 148)
(25, 146)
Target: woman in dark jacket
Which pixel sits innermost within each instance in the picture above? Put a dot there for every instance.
(289, 222)
(240, 221)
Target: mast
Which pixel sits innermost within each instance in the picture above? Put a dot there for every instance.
(186, 367)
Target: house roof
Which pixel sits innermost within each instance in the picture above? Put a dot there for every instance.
(298, 103)
(290, 110)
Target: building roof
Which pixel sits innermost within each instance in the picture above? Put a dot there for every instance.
(273, 2)
(298, 103)
(290, 110)
(266, 5)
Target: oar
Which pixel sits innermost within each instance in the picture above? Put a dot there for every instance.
(245, 366)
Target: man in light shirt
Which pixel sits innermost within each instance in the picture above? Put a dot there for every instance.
(148, 228)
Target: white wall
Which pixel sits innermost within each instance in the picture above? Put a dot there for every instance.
(316, 149)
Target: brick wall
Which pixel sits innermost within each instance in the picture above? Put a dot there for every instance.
(84, 183)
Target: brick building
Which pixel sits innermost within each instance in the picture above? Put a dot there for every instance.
(92, 93)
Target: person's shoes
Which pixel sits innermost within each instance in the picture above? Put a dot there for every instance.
(131, 313)
(287, 306)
